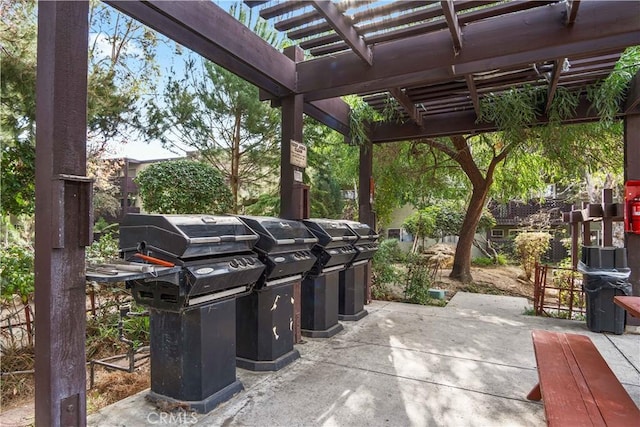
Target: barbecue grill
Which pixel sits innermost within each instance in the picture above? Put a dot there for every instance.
(264, 318)
(334, 251)
(192, 311)
(353, 278)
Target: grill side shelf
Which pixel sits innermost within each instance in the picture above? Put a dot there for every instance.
(123, 276)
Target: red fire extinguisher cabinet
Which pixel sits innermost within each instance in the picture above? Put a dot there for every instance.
(632, 206)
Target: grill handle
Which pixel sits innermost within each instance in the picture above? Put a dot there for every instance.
(293, 241)
(218, 239)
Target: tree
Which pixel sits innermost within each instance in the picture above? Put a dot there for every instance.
(518, 146)
(121, 71)
(183, 187)
(220, 115)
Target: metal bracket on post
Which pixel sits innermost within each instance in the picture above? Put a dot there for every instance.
(83, 188)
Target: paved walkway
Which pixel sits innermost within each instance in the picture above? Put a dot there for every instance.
(470, 363)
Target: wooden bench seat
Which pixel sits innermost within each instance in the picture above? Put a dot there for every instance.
(577, 386)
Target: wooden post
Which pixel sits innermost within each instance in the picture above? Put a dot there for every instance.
(607, 219)
(586, 228)
(365, 211)
(63, 213)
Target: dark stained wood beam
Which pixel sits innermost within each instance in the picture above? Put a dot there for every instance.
(473, 93)
(254, 3)
(458, 123)
(342, 26)
(572, 11)
(407, 62)
(333, 112)
(408, 105)
(553, 83)
(632, 103)
(228, 43)
(452, 22)
(281, 9)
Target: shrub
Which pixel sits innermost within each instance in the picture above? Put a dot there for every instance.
(530, 247)
(417, 281)
(384, 273)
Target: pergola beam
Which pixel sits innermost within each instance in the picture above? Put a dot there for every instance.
(458, 123)
(228, 43)
(473, 93)
(553, 83)
(572, 11)
(449, 13)
(343, 27)
(333, 113)
(408, 105)
(407, 62)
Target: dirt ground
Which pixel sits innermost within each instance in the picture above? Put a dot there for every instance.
(499, 280)
(503, 280)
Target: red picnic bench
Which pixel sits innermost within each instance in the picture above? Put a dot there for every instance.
(576, 385)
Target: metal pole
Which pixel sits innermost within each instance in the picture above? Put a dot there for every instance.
(63, 213)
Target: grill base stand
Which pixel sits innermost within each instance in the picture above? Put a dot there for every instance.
(268, 365)
(200, 406)
(351, 293)
(264, 329)
(193, 355)
(320, 306)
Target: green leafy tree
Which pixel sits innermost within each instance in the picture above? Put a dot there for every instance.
(121, 71)
(183, 187)
(220, 115)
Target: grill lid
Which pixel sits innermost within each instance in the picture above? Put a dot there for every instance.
(185, 236)
(330, 232)
(363, 231)
(279, 235)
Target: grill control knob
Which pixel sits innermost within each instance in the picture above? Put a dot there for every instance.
(234, 264)
(242, 262)
(250, 261)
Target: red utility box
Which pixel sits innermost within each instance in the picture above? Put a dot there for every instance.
(632, 206)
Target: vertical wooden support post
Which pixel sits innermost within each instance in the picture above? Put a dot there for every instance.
(290, 205)
(575, 233)
(607, 220)
(586, 228)
(292, 115)
(365, 211)
(632, 171)
(63, 213)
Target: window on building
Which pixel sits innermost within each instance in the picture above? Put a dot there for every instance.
(393, 233)
(497, 233)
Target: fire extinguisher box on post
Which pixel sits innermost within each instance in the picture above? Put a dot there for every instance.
(632, 206)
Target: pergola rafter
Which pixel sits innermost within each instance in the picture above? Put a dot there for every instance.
(449, 12)
(336, 19)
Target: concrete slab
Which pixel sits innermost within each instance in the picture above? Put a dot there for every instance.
(470, 363)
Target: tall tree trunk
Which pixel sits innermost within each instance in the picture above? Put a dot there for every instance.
(461, 269)
(461, 154)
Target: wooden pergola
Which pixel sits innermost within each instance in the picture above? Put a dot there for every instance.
(436, 59)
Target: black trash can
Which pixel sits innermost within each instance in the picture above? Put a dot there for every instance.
(605, 275)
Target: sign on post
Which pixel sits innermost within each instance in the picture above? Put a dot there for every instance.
(298, 156)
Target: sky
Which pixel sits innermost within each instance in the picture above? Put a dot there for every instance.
(137, 148)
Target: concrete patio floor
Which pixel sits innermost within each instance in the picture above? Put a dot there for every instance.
(470, 363)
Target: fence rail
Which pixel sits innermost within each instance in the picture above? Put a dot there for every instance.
(558, 292)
